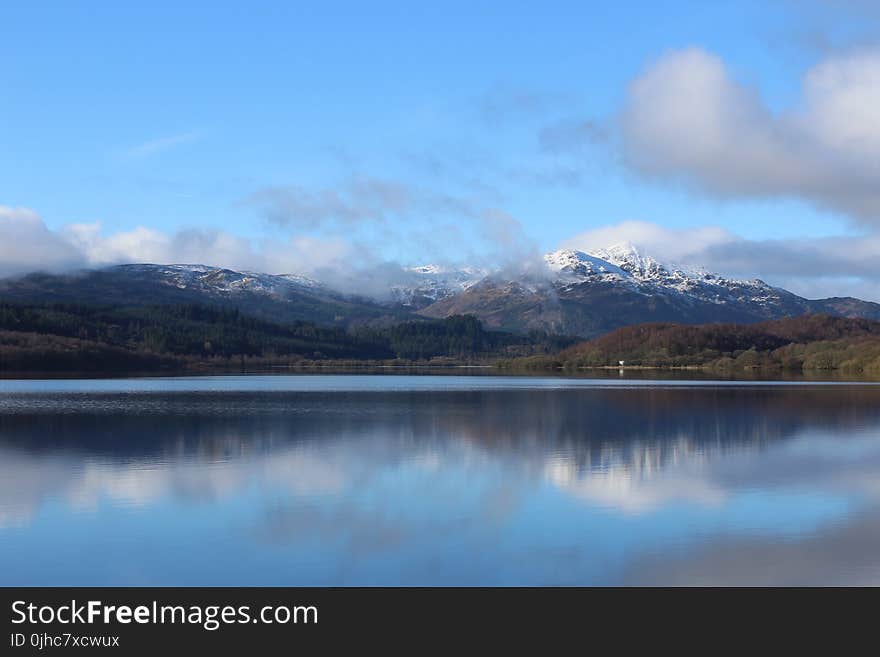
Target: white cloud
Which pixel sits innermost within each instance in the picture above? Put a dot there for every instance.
(688, 119)
(361, 199)
(25, 240)
(154, 146)
(27, 245)
(664, 244)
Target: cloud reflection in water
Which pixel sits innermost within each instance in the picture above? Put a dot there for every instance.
(648, 485)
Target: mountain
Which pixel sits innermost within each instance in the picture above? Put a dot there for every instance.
(427, 284)
(573, 293)
(281, 298)
(588, 294)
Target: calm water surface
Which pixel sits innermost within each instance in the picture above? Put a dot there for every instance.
(415, 480)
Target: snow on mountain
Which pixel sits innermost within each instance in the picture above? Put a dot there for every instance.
(688, 281)
(577, 265)
(420, 286)
(219, 281)
(426, 284)
(646, 269)
(576, 293)
(602, 283)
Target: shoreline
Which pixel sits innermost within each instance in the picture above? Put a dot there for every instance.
(462, 369)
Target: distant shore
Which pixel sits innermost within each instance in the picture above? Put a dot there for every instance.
(637, 372)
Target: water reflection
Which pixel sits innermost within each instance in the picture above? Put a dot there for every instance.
(587, 485)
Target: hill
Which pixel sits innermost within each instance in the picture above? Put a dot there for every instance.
(78, 338)
(811, 342)
(276, 298)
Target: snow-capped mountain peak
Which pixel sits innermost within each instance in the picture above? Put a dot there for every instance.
(630, 259)
(648, 270)
(577, 263)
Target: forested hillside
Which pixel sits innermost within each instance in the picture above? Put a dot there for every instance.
(75, 337)
(811, 342)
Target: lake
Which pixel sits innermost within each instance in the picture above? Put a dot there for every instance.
(438, 480)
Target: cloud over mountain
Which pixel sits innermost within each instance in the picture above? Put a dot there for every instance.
(812, 267)
(26, 243)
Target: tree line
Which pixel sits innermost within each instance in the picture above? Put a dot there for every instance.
(82, 337)
(810, 342)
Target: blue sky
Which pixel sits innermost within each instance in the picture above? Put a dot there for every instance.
(409, 133)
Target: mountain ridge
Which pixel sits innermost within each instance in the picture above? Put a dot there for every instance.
(573, 292)
(588, 294)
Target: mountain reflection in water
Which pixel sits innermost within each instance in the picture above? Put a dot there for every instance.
(651, 484)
